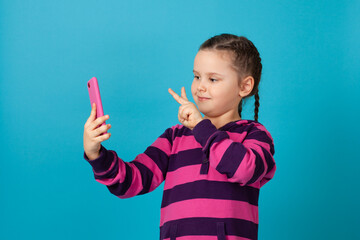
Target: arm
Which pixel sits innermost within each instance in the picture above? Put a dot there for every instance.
(142, 175)
(246, 162)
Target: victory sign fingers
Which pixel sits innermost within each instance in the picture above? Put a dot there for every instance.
(183, 99)
(188, 113)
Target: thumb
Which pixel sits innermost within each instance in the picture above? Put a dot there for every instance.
(93, 111)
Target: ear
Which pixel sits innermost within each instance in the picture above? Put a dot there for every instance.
(246, 86)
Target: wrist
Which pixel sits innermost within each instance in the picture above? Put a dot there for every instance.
(197, 122)
(92, 157)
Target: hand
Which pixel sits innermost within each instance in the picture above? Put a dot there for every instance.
(93, 134)
(188, 114)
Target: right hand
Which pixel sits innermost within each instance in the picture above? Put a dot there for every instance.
(92, 134)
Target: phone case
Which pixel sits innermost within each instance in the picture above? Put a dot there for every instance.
(94, 94)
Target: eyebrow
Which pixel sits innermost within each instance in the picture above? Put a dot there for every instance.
(210, 73)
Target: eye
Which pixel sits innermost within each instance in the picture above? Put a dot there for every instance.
(196, 77)
(213, 79)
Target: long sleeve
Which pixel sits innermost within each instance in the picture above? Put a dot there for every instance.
(142, 175)
(246, 162)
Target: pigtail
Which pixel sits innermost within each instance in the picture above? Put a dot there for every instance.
(257, 105)
(240, 107)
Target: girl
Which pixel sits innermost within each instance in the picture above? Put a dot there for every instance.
(213, 166)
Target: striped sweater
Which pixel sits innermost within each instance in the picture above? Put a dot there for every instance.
(212, 178)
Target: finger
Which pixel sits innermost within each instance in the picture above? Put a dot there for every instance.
(92, 114)
(98, 121)
(183, 94)
(181, 111)
(180, 116)
(99, 131)
(184, 112)
(176, 97)
(181, 119)
(102, 138)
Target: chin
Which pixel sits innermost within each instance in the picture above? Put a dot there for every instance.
(204, 111)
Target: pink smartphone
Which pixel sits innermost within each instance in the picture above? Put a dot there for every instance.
(94, 93)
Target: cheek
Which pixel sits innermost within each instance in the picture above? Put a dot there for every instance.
(221, 92)
(193, 88)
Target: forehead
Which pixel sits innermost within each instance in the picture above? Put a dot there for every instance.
(214, 60)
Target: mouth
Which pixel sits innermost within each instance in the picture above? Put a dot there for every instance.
(203, 98)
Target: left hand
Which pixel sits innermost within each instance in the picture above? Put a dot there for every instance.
(188, 114)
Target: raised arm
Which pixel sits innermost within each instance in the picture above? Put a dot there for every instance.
(142, 175)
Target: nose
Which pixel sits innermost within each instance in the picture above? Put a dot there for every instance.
(201, 86)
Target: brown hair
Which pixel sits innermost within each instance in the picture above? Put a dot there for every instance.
(246, 60)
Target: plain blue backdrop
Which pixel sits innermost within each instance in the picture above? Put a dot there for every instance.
(309, 96)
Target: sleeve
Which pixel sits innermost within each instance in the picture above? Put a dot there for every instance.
(142, 175)
(247, 162)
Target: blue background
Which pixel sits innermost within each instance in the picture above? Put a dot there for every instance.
(309, 96)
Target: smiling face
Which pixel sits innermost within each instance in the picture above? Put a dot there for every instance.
(217, 81)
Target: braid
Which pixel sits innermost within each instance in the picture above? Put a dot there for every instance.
(257, 105)
(240, 107)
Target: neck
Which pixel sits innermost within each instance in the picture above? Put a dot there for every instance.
(219, 121)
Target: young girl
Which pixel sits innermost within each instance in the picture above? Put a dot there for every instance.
(213, 166)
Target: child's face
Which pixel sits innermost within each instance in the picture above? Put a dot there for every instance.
(221, 88)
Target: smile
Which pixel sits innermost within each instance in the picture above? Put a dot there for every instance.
(203, 99)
